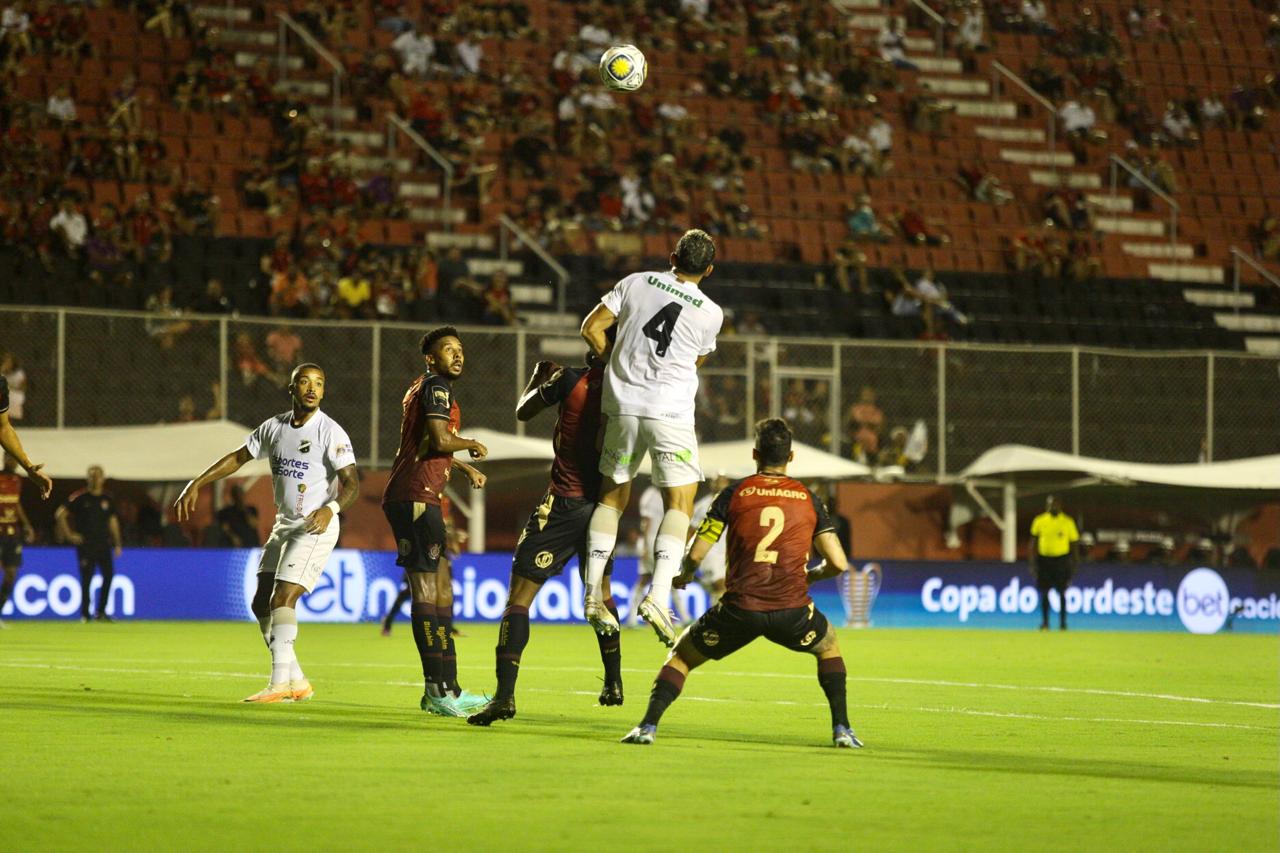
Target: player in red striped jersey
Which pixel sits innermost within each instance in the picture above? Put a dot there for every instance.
(772, 522)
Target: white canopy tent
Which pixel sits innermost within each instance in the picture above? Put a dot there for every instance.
(502, 447)
(160, 453)
(1016, 467)
(733, 459)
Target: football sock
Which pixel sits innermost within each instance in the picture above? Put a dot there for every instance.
(611, 647)
(602, 536)
(86, 576)
(832, 675)
(666, 687)
(448, 651)
(104, 591)
(668, 550)
(6, 590)
(513, 636)
(1044, 607)
(424, 636)
(264, 625)
(404, 595)
(637, 592)
(284, 631)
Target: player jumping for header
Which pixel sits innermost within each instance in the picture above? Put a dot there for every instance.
(314, 476)
(666, 329)
(771, 520)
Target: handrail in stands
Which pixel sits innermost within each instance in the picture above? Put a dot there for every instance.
(508, 224)
(398, 124)
(1002, 70)
(1174, 207)
(287, 23)
(939, 22)
(1238, 255)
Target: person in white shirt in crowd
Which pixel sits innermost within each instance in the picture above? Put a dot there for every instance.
(70, 224)
(415, 51)
(61, 106)
(892, 41)
(469, 55)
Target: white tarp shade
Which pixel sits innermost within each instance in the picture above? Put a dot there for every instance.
(508, 448)
(733, 459)
(165, 452)
(1018, 461)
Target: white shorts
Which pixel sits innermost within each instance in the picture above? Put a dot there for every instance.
(296, 556)
(672, 449)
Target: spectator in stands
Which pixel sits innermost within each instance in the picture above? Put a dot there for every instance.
(126, 109)
(354, 294)
(71, 33)
(468, 55)
(213, 300)
(863, 425)
(981, 184)
(971, 29)
(930, 291)
(1035, 18)
(1178, 126)
(415, 50)
(862, 222)
(892, 41)
(894, 453)
(1078, 122)
(880, 135)
(238, 521)
(15, 26)
(918, 230)
(166, 325)
(70, 225)
(195, 211)
(498, 308)
(1267, 237)
(1212, 112)
(284, 351)
(61, 108)
(927, 113)
(186, 410)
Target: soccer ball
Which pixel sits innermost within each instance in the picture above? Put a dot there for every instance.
(623, 67)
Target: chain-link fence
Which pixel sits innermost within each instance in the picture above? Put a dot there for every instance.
(112, 368)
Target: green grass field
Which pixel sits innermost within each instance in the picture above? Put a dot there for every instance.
(129, 736)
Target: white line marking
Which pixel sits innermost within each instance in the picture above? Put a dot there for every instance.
(971, 712)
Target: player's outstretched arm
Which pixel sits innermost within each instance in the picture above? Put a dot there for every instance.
(474, 474)
(438, 439)
(531, 400)
(696, 554)
(595, 327)
(834, 562)
(13, 446)
(185, 505)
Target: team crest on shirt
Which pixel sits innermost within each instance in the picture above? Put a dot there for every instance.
(434, 551)
(543, 559)
(302, 487)
(305, 447)
(809, 638)
(710, 638)
(440, 396)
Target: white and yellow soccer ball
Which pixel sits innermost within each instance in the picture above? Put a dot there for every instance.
(623, 67)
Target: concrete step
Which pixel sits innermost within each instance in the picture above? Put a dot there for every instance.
(918, 44)
(1178, 251)
(1263, 346)
(374, 163)
(1187, 272)
(983, 109)
(962, 86)
(1218, 298)
(1024, 157)
(442, 240)
(1264, 323)
(307, 88)
(236, 14)
(488, 266)
(1075, 180)
(250, 38)
(533, 294)
(1114, 203)
(1010, 134)
(454, 215)
(366, 138)
(328, 113)
(409, 189)
(1130, 226)
(846, 5)
(550, 321)
(867, 20)
(937, 64)
(248, 59)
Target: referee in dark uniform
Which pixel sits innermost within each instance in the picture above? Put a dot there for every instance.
(88, 520)
(1054, 557)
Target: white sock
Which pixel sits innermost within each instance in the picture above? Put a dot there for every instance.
(602, 536)
(637, 592)
(668, 550)
(284, 631)
(295, 672)
(264, 625)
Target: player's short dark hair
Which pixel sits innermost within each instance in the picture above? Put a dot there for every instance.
(306, 365)
(773, 441)
(695, 251)
(430, 338)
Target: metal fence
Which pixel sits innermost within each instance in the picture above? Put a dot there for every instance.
(87, 368)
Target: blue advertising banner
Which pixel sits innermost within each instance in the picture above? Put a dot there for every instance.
(193, 583)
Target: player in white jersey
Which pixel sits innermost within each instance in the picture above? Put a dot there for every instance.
(711, 571)
(666, 328)
(313, 471)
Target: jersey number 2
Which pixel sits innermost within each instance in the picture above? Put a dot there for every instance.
(661, 325)
(773, 518)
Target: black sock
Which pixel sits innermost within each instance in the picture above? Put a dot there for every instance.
(666, 687)
(611, 647)
(1044, 607)
(424, 636)
(448, 651)
(831, 675)
(513, 636)
(6, 590)
(104, 591)
(86, 576)
(1062, 607)
(404, 595)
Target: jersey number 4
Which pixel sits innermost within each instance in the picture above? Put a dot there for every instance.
(661, 325)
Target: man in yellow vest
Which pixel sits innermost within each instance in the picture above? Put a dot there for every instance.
(1054, 556)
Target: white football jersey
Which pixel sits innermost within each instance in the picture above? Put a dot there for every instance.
(305, 461)
(664, 326)
(652, 511)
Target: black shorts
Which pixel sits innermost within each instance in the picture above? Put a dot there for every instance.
(419, 532)
(11, 552)
(554, 533)
(724, 629)
(1053, 572)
